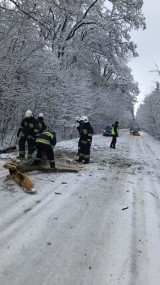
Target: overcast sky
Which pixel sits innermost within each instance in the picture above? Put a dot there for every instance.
(148, 42)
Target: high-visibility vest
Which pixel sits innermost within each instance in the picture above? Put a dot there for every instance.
(113, 131)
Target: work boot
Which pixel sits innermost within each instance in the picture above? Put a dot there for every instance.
(21, 157)
(79, 160)
(52, 165)
(35, 162)
(86, 161)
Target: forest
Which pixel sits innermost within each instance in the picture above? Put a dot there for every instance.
(67, 58)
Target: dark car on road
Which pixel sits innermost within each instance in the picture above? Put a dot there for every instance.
(107, 131)
(135, 131)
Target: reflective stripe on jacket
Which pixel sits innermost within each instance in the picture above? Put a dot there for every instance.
(28, 127)
(86, 134)
(46, 138)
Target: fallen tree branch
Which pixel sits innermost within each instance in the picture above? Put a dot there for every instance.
(8, 149)
(21, 178)
(45, 169)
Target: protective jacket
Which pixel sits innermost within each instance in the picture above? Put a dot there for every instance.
(28, 128)
(47, 138)
(42, 126)
(44, 143)
(86, 133)
(85, 142)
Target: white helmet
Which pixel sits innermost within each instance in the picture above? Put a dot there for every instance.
(84, 119)
(41, 115)
(78, 119)
(28, 113)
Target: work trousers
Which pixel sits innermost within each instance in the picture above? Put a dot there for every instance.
(48, 150)
(22, 146)
(113, 142)
(84, 152)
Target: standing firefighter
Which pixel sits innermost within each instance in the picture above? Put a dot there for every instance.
(41, 123)
(114, 135)
(85, 140)
(44, 144)
(79, 128)
(27, 130)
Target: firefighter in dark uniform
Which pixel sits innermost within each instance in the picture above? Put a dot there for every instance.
(41, 123)
(79, 128)
(86, 134)
(44, 144)
(114, 135)
(27, 132)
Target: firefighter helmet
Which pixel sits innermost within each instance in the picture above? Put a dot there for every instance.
(41, 115)
(28, 113)
(84, 119)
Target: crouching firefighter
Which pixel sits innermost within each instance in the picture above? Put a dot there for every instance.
(44, 144)
(85, 140)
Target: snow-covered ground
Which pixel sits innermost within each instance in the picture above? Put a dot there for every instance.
(98, 226)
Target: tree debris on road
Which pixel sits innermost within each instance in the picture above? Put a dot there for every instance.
(21, 178)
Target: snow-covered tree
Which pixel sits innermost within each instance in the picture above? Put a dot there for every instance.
(148, 115)
(66, 58)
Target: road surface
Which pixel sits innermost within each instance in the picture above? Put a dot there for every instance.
(100, 226)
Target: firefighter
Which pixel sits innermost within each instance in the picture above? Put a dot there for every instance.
(44, 144)
(41, 123)
(27, 132)
(79, 128)
(114, 135)
(85, 140)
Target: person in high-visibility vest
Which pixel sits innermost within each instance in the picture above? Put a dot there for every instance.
(114, 135)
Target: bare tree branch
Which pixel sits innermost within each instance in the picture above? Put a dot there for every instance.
(85, 14)
(30, 16)
(71, 34)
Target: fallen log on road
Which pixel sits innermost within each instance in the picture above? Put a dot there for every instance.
(17, 173)
(46, 169)
(26, 166)
(21, 178)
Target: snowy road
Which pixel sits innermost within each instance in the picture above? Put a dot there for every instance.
(103, 228)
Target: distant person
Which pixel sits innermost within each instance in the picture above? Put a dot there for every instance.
(114, 135)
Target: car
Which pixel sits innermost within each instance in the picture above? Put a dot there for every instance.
(131, 129)
(135, 131)
(107, 131)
